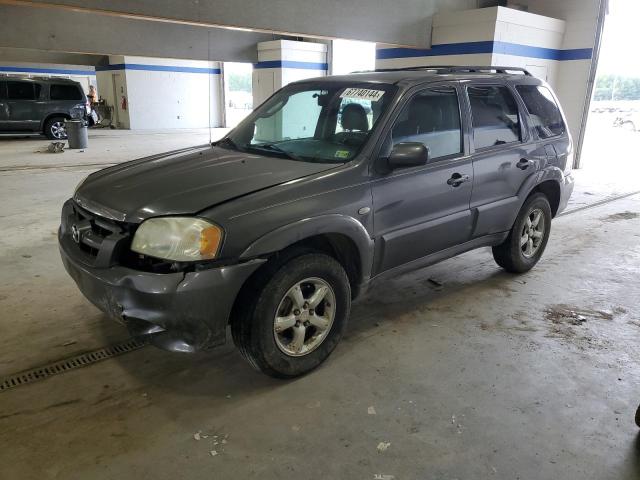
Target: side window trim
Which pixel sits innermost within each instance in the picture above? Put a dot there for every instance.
(33, 91)
(385, 133)
(433, 87)
(525, 136)
(534, 133)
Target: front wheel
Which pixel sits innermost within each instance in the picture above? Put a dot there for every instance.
(295, 319)
(638, 416)
(528, 237)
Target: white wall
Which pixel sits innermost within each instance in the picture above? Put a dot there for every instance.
(163, 93)
(281, 62)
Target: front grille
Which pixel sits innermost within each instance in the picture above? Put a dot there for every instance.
(96, 241)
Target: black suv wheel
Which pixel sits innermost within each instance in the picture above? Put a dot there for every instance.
(293, 322)
(54, 128)
(528, 237)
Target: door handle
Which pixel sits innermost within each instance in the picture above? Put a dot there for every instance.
(457, 179)
(524, 163)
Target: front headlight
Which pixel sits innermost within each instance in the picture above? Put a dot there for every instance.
(182, 239)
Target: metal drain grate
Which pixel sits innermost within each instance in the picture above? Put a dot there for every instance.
(62, 366)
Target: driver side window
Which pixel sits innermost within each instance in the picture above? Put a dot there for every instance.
(432, 118)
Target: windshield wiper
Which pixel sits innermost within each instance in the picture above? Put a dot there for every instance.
(276, 148)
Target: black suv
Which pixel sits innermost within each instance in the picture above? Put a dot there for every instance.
(331, 184)
(29, 105)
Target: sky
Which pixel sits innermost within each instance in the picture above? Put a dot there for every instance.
(618, 53)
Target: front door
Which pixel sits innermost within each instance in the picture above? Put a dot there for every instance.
(419, 211)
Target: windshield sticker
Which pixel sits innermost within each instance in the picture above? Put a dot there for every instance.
(362, 94)
(342, 154)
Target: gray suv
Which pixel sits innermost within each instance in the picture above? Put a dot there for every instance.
(29, 105)
(330, 185)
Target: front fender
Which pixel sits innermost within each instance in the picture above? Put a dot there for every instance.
(289, 234)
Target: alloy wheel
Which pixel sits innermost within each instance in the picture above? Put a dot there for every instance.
(532, 233)
(58, 130)
(304, 317)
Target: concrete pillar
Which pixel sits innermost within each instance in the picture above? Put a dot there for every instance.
(158, 93)
(284, 61)
(501, 36)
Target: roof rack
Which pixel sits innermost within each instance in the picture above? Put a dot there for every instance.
(458, 69)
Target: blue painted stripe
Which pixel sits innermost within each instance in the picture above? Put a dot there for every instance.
(291, 64)
(469, 48)
(158, 68)
(59, 71)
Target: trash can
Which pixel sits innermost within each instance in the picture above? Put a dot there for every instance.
(76, 133)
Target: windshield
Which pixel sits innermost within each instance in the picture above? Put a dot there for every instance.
(326, 123)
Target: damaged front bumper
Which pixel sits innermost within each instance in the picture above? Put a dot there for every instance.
(182, 311)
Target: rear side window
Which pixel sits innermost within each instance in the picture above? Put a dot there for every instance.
(495, 116)
(543, 110)
(65, 92)
(432, 118)
(23, 91)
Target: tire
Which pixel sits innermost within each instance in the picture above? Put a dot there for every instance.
(54, 128)
(271, 297)
(516, 257)
(638, 416)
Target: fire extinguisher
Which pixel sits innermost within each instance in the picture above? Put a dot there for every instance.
(123, 103)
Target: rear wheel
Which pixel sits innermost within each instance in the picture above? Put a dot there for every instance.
(54, 128)
(528, 237)
(292, 322)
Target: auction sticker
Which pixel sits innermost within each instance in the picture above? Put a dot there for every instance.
(362, 94)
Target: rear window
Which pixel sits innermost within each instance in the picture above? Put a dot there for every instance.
(23, 91)
(65, 92)
(543, 110)
(495, 116)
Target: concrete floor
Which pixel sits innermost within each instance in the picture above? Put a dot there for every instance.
(483, 377)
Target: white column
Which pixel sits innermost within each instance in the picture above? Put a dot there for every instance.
(284, 61)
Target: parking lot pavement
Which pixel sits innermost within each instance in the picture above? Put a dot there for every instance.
(481, 374)
(105, 147)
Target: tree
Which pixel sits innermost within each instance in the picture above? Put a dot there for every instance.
(239, 82)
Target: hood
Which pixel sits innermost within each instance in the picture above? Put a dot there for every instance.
(184, 182)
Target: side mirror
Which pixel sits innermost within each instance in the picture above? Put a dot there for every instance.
(408, 154)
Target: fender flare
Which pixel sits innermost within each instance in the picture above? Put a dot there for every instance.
(548, 173)
(291, 233)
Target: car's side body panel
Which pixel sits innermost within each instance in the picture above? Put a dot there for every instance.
(31, 115)
(396, 220)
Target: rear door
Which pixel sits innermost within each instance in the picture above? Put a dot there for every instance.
(421, 210)
(504, 155)
(547, 122)
(23, 105)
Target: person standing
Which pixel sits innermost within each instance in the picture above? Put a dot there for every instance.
(93, 94)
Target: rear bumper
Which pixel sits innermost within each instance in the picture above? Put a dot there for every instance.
(184, 311)
(566, 189)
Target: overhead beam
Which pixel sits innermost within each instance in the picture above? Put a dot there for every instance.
(55, 30)
(398, 22)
